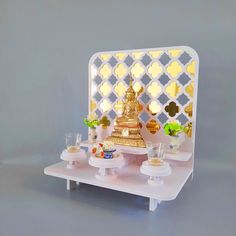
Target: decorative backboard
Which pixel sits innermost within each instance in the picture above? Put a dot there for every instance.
(165, 79)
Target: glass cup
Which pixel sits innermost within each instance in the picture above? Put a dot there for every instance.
(155, 153)
(73, 141)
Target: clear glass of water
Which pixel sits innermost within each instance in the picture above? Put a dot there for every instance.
(73, 141)
(155, 153)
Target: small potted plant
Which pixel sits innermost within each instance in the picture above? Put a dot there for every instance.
(92, 122)
(176, 133)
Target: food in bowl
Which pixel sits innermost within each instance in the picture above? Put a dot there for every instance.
(104, 150)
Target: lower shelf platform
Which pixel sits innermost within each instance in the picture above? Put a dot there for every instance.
(129, 180)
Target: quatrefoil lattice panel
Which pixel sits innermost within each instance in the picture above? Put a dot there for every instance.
(164, 78)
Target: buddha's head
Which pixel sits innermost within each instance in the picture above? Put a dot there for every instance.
(130, 93)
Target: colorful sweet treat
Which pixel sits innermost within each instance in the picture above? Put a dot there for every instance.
(97, 150)
(108, 146)
(104, 150)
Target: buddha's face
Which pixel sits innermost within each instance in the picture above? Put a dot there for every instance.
(130, 96)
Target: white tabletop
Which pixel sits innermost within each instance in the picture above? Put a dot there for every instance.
(129, 179)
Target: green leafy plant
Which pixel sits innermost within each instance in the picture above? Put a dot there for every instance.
(91, 124)
(91, 121)
(173, 128)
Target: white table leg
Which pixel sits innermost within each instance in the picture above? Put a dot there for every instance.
(153, 204)
(70, 184)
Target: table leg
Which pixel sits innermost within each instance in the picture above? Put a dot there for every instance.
(70, 184)
(153, 204)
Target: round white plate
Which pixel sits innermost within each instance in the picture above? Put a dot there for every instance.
(163, 170)
(116, 162)
(67, 156)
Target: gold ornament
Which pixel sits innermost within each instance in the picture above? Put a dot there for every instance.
(174, 69)
(153, 126)
(127, 126)
(188, 129)
(172, 109)
(191, 68)
(104, 122)
(190, 89)
(189, 109)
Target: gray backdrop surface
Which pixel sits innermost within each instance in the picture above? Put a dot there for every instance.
(45, 46)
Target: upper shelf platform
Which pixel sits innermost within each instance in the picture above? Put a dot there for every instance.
(180, 156)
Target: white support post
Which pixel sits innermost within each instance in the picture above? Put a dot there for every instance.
(153, 204)
(70, 184)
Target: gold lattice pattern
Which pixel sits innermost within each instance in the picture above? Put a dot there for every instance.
(163, 80)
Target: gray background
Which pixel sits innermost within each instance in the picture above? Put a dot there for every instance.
(44, 51)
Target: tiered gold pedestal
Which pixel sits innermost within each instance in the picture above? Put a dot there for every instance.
(127, 136)
(127, 141)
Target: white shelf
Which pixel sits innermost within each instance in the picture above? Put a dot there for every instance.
(129, 180)
(121, 148)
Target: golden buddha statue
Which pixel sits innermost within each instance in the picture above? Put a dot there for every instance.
(127, 126)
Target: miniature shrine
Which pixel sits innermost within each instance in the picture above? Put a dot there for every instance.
(141, 124)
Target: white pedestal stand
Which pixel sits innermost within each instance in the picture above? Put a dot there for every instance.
(107, 166)
(155, 174)
(72, 159)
